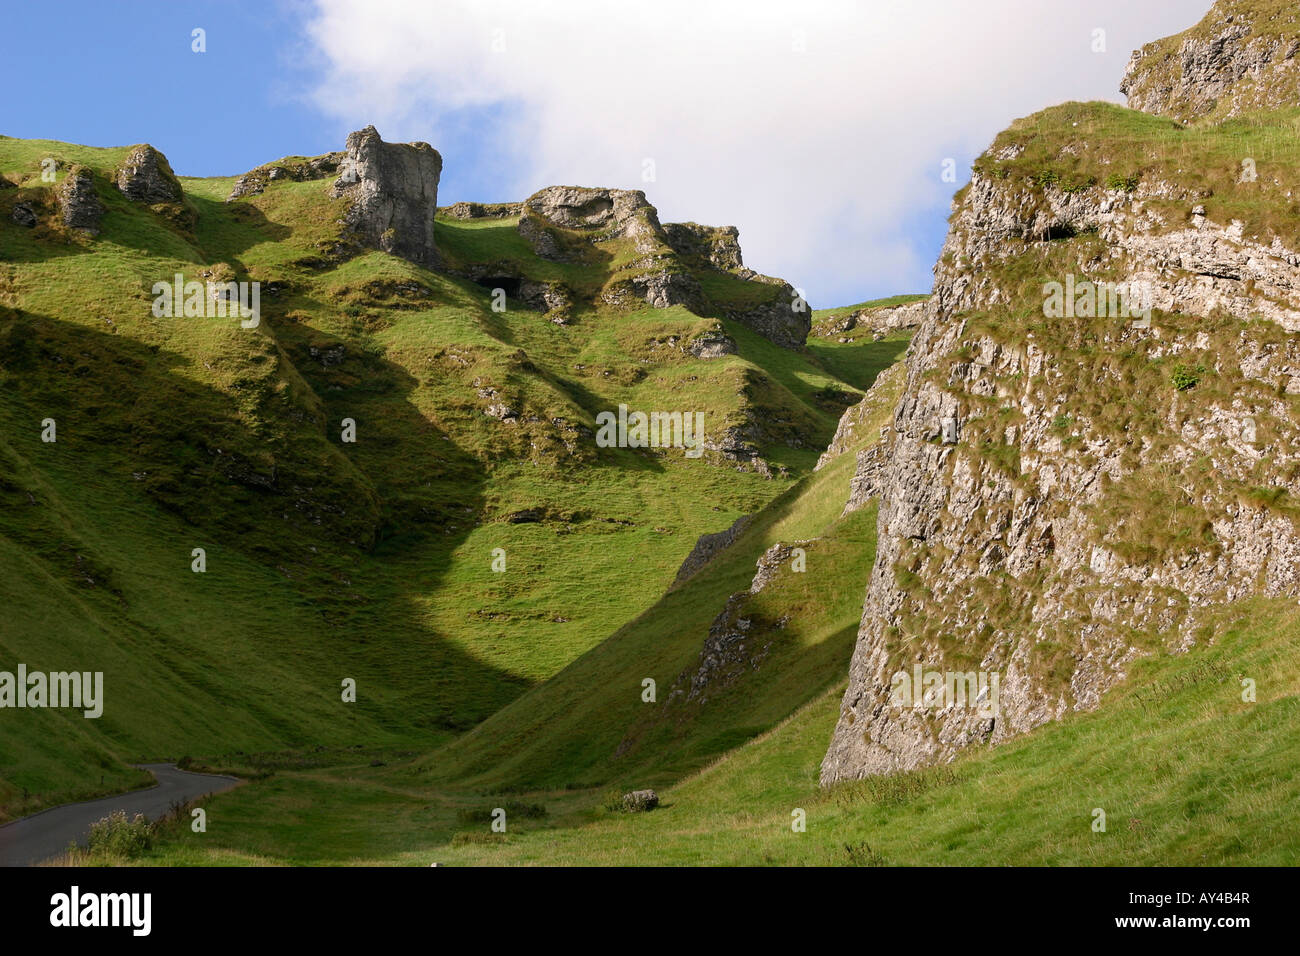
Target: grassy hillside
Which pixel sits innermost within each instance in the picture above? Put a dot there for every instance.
(329, 560)
(564, 744)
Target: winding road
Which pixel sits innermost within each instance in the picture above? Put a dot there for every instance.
(42, 835)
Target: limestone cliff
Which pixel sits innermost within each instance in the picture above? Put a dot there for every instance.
(567, 223)
(1062, 493)
(1242, 57)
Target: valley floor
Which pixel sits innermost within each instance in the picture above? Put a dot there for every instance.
(1186, 772)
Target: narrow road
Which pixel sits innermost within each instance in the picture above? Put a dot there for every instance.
(43, 835)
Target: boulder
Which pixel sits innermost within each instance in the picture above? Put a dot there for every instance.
(24, 215)
(147, 177)
(393, 188)
(639, 801)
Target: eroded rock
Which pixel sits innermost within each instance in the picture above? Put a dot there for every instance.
(392, 190)
(78, 203)
(146, 177)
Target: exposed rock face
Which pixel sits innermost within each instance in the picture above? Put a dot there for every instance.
(393, 188)
(565, 223)
(712, 344)
(147, 177)
(784, 318)
(1049, 541)
(81, 208)
(877, 322)
(882, 395)
(719, 246)
(551, 297)
(709, 545)
(738, 640)
(1237, 59)
(255, 181)
(662, 288)
(599, 214)
(478, 210)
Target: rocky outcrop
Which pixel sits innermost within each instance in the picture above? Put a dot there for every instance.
(552, 297)
(392, 190)
(567, 223)
(709, 546)
(479, 210)
(876, 322)
(711, 344)
(1239, 58)
(783, 318)
(854, 424)
(598, 215)
(1059, 496)
(78, 203)
(145, 176)
(718, 246)
(255, 181)
(739, 640)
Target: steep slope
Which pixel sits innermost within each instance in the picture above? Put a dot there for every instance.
(752, 631)
(405, 417)
(1095, 451)
(748, 633)
(1241, 58)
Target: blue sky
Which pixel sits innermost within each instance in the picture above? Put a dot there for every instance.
(819, 128)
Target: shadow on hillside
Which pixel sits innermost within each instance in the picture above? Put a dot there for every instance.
(857, 363)
(259, 471)
(227, 230)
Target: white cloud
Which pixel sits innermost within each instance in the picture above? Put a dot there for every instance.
(818, 127)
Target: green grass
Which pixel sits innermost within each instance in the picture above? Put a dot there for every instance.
(1185, 770)
(329, 560)
(566, 741)
(886, 303)
(1096, 146)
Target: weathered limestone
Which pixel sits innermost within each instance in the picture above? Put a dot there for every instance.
(147, 177)
(78, 203)
(393, 193)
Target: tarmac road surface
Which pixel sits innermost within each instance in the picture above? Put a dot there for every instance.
(43, 835)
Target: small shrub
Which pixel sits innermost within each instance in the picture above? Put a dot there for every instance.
(1187, 376)
(115, 836)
